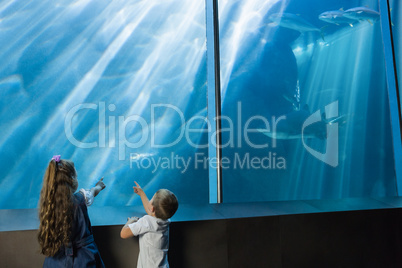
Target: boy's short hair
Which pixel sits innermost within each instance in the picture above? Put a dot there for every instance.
(165, 204)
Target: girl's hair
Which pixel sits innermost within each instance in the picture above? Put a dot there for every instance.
(56, 206)
(165, 204)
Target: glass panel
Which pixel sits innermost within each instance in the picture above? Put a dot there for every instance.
(109, 85)
(304, 101)
(396, 22)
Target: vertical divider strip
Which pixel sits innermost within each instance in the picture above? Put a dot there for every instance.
(393, 91)
(214, 102)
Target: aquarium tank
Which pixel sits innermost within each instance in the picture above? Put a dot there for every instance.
(121, 88)
(305, 82)
(396, 24)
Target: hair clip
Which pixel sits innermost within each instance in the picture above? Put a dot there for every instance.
(56, 158)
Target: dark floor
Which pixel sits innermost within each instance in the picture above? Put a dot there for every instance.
(354, 238)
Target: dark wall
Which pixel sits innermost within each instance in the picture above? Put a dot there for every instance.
(370, 238)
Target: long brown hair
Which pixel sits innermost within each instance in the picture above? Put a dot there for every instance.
(56, 206)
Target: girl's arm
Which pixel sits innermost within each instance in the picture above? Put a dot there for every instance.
(99, 186)
(94, 191)
(145, 201)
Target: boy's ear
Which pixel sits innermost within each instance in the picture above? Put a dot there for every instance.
(152, 208)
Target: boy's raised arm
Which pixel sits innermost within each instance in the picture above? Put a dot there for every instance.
(145, 201)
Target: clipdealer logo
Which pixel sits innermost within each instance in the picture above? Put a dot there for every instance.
(331, 155)
(146, 133)
(244, 161)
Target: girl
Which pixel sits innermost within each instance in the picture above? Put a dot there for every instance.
(65, 233)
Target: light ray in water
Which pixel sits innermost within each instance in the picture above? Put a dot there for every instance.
(126, 54)
(242, 28)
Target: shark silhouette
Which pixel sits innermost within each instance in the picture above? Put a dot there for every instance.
(362, 13)
(291, 126)
(336, 17)
(293, 22)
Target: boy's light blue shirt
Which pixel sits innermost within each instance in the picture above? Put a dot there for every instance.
(154, 241)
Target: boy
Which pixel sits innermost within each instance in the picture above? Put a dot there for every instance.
(152, 229)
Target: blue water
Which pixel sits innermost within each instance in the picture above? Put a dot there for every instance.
(396, 30)
(120, 88)
(294, 68)
(137, 71)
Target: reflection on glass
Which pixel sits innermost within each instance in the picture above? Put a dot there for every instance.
(108, 84)
(304, 101)
(396, 24)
